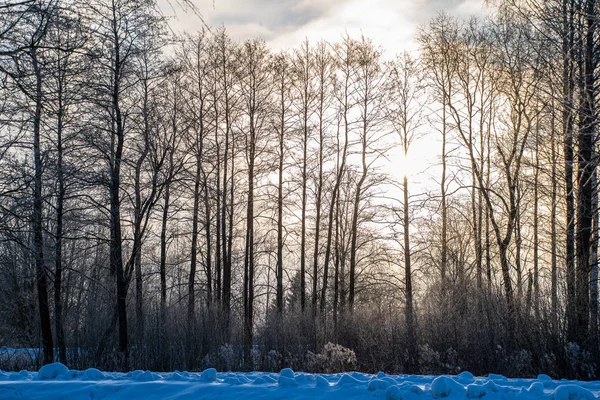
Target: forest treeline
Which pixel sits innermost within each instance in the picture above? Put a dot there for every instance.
(186, 201)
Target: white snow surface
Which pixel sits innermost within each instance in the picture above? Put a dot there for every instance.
(55, 381)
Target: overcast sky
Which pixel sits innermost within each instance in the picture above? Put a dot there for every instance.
(285, 23)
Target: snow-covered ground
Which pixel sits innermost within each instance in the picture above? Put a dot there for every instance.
(55, 381)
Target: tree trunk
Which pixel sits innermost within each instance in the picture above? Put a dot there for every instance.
(567, 121)
(249, 257)
(594, 339)
(163, 252)
(586, 159)
(303, 217)
(209, 286)
(116, 251)
(318, 217)
(194, 250)
(355, 212)
(219, 195)
(411, 337)
(553, 241)
(334, 213)
(37, 225)
(58, 246)
(536, 273)
(226, 238)
(444, 207)
(279, 294)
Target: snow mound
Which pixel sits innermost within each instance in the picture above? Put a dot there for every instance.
(573, 392)
(443, 386)
(349, 380)
(286, 378)
(233, 380)
(208, 375)
(393, 393)
(144, 376)
(287, 373)
(465, 377)
(304, 379)
(408, 387)
(497, 377)
(492, 387)
(322, 382)
(476, 391)
(260, 381)
(381, 384)
(17, 376)
(176, 376)
(269, 378)
(51, 371)
(536, 388)
(284, 381)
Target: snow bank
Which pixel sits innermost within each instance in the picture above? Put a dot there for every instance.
(93, 374)
(443, 386)
(51, 371)
(209, 375)
(475, 391)
(56, 381)
(573, 392)
(287, 373)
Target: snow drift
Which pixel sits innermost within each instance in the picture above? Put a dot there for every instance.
(56, 381)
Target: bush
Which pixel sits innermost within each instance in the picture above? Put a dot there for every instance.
(333, 358)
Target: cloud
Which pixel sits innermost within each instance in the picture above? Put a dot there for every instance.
(286, 23)
(275, 15)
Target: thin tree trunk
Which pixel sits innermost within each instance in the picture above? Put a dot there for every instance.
(334, 206)
(553, 241)
(58, 246)
(536, 283)
(194, 249)
(355, 212)
(279, 294)
(411, 337)
(586, 159)
(163, 252)
(336, 283)
(249, 257)
(37, 225)
(518, 242)
(218, 214)
(303, 215)
(227, 238)
(318, 216)
(227, 271)
(594, 342)
(567, 120)
(209, 286)
(444, 207)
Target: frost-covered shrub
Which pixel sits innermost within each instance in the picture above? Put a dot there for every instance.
(18, 359)
(521, 362)
(581, 361)
(451, 365)
(432, 362)
(333, 358)
(256, 358)
(273, 360)
(227, 357)
(429, 359)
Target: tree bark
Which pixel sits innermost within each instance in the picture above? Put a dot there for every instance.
(37, 215)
